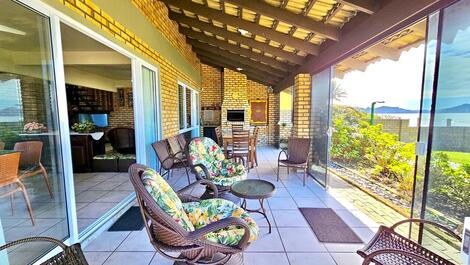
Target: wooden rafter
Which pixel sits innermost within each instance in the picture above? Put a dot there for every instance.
(335, 10)
(366, 6)
(385, 52)
(308, 7)
(235, 49)
(354, 64)
(244, 24)
(286, 16)
(245, 62)
(180, 18)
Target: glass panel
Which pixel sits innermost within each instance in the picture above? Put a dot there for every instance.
(448, 187)
(181, 106)
(189, 104)
(30, 163)
(150, 114)
(320, 124)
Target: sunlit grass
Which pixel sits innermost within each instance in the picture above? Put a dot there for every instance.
(457, 157)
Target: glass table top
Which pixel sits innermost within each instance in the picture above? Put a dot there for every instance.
(253, 189)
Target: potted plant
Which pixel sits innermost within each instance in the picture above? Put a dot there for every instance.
(283, 143)
(83, 127)
(34, 127)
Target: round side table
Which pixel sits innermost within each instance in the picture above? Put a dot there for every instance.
(254, 189)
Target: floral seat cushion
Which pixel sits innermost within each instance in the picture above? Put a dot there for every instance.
(222, 172)
(212, 210)
(166, 198)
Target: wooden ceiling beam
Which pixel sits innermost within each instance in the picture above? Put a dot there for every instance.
(203, 48)
(298, 20)
(236, 52)
(354, 64)
(365, 31)
(223, 65)
(237, 37)
(246, 25)
(366, 6)
(266, 78)
(385, 52)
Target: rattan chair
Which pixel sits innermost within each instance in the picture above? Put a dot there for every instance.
(168, 161)
(298, 152)
(9, 178)
(388, 247)
(70, 255)
(166, 235)
(30, 161)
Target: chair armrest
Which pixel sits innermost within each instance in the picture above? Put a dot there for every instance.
(285, 153)
(168, 158)
(368, 259)
(239, 157)
(224, 223)
(204, 169)
(422, 221)
(202, 182)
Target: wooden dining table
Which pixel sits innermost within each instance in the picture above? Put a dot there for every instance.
(228, 140)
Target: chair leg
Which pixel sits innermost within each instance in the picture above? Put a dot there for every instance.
(187, 174)
(28, 203)
(46, 179)
(12, 203)
(256, 157)
(277, 171)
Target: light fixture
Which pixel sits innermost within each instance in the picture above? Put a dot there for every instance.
(243, 32)
(11, 30)
(239, 69)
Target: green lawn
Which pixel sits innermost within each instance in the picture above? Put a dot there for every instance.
(458, 157)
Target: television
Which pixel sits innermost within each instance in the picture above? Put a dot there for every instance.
(235, 115)
(99, 119)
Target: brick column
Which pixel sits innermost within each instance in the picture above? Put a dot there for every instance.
(302, 103)
(274, 106)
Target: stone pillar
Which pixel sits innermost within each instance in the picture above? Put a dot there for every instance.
(302, 104)
(274, 106)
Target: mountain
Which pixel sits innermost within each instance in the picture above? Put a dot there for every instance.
(10, 111)
(390, 110)
(464, 108)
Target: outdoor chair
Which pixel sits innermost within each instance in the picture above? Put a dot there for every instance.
(207, 161)
(218, 133)
(183, 142)
(212, 231)
(167, 160)
(388, 247)
(176, 149)
(30, 161)
(298, 152)
(241, 146)
(237, 127)
(9, 178)
(253, 145)
(122, 140)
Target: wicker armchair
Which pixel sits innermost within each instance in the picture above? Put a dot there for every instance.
(298, 152)
(168, 235)
(169, 161)
(388, 247)
(207, 161)
(30, 161)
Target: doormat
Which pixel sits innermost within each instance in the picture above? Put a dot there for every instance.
(131, 220)
(328, 226)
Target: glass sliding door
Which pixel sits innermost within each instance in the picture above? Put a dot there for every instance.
(150, 114)
(447, 179)
(32, 196)
(320, 125)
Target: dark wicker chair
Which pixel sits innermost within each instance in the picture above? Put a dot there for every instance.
(168, 161)
(122, 140)
(388, 247)
(298, 152)
(70, 255)
(168, 236)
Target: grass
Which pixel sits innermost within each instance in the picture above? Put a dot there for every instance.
(458, 157)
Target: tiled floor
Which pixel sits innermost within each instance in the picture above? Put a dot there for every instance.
(291, 241)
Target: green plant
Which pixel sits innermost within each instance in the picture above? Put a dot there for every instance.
(83, 127)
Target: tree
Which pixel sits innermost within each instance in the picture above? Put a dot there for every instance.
(338, 92)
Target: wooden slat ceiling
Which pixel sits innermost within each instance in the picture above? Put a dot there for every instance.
(269, 39)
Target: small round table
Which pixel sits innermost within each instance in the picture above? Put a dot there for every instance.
(254, 189)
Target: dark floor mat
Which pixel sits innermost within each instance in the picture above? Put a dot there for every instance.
(131, 220)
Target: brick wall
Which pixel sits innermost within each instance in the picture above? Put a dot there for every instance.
(211, 85)
(235, 97)
(33, 98)
(169, 73)
(121, 116)
(301, 107)
(257, 91)
(274, 103)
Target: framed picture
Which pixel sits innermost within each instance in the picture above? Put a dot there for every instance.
(130, 99)
(258, 112)
(121, 100)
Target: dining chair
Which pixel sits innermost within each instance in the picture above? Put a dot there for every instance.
(218, 134)
(30, 161)
(241, 145)
(296, 156)
(9, 178)
(237, 127)
(253, 145)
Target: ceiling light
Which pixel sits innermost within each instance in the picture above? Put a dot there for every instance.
(243, 32)
(11, 30)
(239, 69)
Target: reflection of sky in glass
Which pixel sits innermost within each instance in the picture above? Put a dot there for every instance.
(454, 70)
(9, 94)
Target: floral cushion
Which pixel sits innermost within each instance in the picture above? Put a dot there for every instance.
(223, 172)
(125, 156)
(212, 210)
(166, 198)
(105, 156)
